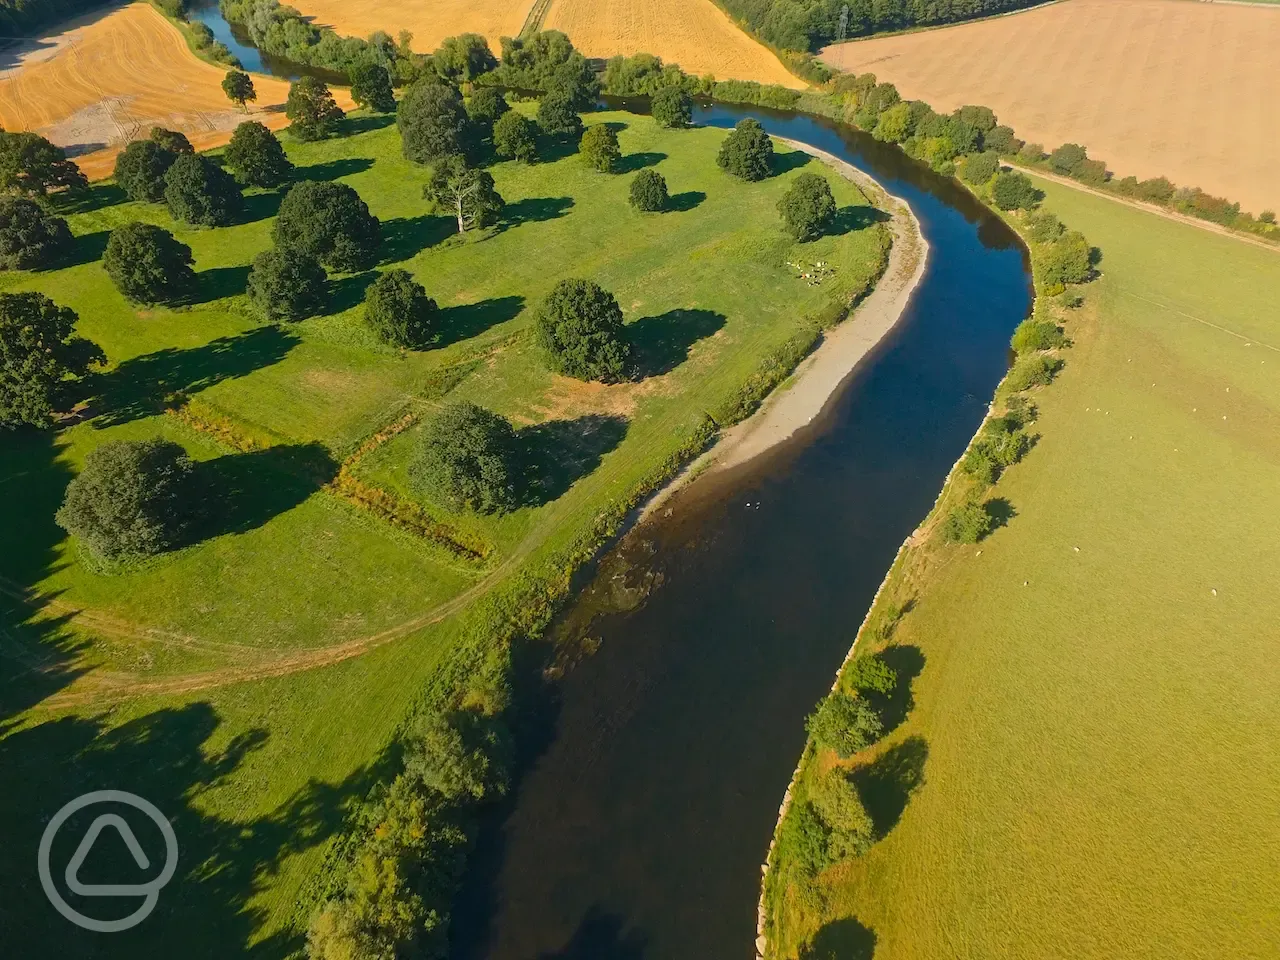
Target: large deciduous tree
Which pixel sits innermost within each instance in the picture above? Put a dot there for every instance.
(39, 356)
(148, 265)
(313, 113)
(200, 192)
(30, 238)
(672, 107)
(433, 122)
(599, 148)
(31, 165)
(579, 325)
(141, 168)
(1014, 191)
(371, 88)
(747, 152)
(329, 221)
(468, 458)
(464, 192)
(398, 310)
(286, 284)
(174, 141)
(256, 156)
(649, 192)
(558, 117)
(515, 137)
(485, 107)
(238, 86)
(464, 57)
(807, 208)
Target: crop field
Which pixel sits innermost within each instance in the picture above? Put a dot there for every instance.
(108, 80)
(428, 22)
(696, 34)
(1097, 699)
(248, 684)
(1153, 87)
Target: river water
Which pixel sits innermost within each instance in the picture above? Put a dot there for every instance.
(638, 830)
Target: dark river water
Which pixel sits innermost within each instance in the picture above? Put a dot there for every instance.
(638, 829)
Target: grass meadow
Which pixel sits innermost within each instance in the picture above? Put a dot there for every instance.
(184, 678)
(1092, 744)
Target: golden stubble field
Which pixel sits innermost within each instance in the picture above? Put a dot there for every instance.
(693, 33)
(1154, 87)
(428, 22)
(108, 79)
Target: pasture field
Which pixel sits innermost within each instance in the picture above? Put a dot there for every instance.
(428, 22)
(696, 34)
(110, 78)
(248, 685)
(1096, 713)
(1153, 87)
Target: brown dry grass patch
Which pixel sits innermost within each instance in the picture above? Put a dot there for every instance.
(109, 79)
(1153, 87)
(696, 34)
(428, 22)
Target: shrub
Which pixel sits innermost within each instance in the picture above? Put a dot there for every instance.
(256, 156)
(39, 355)
(398, 310)
(286, 284)
(558, 118)
(579, 326)
(836, 800)
(1033, 334)
(515, 136)
(371, 88)
(599, 148)
(468, 458)
(803, 836)
(844, 724)
(870, 674)
(1267, 217)
(172, 140)
(238, 86)
(460, 757)
(464, 57)
(198, 191)
(1067, 159)
(1157, 190)
(464, 192)
(31, 165)
(1092, 172)
(747, 152)
(1014, 191)
(313, 113)
(967, 522)
(981, 118)
(807, 208)
(30, 238)
(1001, 444)
(1068, 260)
(132, 499)
(433, 122)
(894, 125)
(1044, 227)
(148, 265)
(1002, 141)
(979, 168)
(140, 170)
(672, 107)
(649, 192)
(1037, 370)
(1031, 153)
(486, 106)
(329, 221)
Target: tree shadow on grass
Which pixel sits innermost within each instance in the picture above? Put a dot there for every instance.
(146, 385)
(887, 783)
(843, 939)
(558, 453)
(348, 292)
(86, 248)
(247, 490)
(261, 205)
(469, 319)
(551, 149)
(365, 124)
(906, 660)
(535, 210)
(602, 936)
(333, 169)
(791, 160)
(219, 282)
(858, 217)
(405, 237)
(684, 202)
(1000, 511)
(632, 162)
(99, 196)
(662, 343)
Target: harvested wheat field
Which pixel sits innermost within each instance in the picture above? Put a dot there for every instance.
(429, 22)
(110, 78)
(1153, 87)
(696, 34)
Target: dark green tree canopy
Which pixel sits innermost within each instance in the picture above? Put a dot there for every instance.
(468, 458)
(747, 152)
(464, 192)
(172, 140)
(485, 106)
(30, 238)
(148, 265)
(31, 165)
(140, 170)
(1067, 159)
(39, 355)
(464, 57)
(398, 310)
(313, 113)
(256, 156)
(1014, 191)
(558, 118)
(576, 81)
(515, 137)
(981, 167)
(433, 122)
(134, 498)
(286, 284)
(238, 86)
(531, 62)
(808, 208)
(200, 192)
(329, 221)
(845, 724)
(649, 192)
(579, 326)
(371, 88)
(1002, 141)
(672, 107)
(983, 118)
(599, 148)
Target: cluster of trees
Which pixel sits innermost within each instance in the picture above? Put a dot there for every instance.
(166, 168)
(41, 359)
(23, 18)
(313, 113)
(202, 37)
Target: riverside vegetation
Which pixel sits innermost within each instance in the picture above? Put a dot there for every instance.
(293, 423)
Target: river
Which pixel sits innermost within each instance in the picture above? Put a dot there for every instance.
(638, 829)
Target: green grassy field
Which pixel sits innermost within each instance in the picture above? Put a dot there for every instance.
(258, 773)
(1096, 714)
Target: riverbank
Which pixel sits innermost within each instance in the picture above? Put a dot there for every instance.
(815, 384)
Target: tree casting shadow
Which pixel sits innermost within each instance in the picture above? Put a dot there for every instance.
(469, 319)
(906, 660)
(376, 121)
(638, 161)
(887, 783)
(684, 202)
(333, 169)
(844, 939)
(147, 384)
(663, 342)
(405, 237)
(601, 936)
(1000, 511)
(97, 197)
(247, 490)
(557, 453)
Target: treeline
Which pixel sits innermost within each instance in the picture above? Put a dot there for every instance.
(19, 18)
(805, 25)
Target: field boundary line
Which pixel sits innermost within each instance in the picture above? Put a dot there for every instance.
(1207, 323)
(536, 16)
(929, 28)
